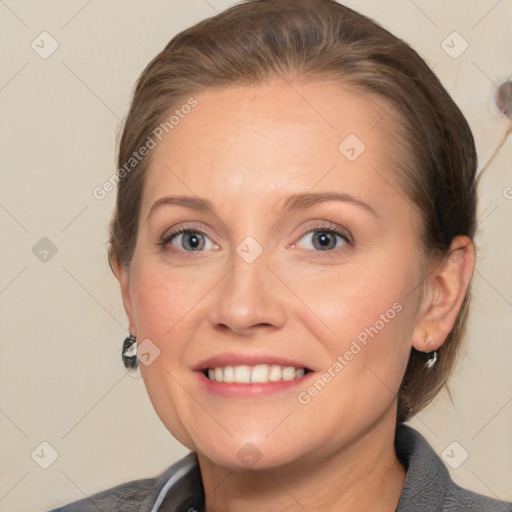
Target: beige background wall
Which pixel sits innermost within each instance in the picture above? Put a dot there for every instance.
(61, 380)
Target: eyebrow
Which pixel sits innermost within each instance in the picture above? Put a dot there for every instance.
(306, 200)
(195, 203)
(293, 202)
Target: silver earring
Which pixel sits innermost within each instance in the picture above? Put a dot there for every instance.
(130, 352)
(431, 359)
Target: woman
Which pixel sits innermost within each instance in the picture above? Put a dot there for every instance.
(293, 237)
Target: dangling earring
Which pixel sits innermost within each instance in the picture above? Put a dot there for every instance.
(431, 356)
(130, 352)
(431, 359)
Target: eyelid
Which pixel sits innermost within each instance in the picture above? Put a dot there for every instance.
(198, 227)
(318, 225)
(310, 226)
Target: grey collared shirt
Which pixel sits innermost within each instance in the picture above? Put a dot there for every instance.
(428, 486)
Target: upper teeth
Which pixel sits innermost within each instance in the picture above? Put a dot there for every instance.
(260, 373)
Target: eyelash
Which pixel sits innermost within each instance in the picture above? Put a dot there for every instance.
(165, 240)
(328, 227)
(324, 226)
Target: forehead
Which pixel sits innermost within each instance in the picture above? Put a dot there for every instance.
(278, 136)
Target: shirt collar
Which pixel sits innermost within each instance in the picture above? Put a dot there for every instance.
(427, 479)
(180, 488)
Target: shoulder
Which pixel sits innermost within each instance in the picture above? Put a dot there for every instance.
(127, 497)
(461, 499)
(428, 485)
(138, 495)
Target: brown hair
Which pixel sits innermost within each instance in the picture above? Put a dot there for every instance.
(259, 40)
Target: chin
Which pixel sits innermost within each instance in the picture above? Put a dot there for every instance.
(247, 447)
(243, 455)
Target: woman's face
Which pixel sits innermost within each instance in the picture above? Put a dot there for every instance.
(299, 250)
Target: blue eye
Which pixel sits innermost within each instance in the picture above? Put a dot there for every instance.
(189, 240)
(323, 240)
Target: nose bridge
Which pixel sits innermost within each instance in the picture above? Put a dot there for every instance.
(248, 296)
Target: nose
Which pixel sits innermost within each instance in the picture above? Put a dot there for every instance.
(248, 298)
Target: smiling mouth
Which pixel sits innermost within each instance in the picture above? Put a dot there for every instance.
(258, 374)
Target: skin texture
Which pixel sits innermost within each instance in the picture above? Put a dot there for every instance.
(247, 149)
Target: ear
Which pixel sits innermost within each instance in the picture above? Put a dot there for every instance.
(444, 290)
(123, 276)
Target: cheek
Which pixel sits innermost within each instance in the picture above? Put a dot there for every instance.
(345, 301)
(163, 299)
(364, 314)
(164, 304)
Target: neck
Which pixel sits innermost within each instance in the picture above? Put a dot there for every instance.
(366, 475)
